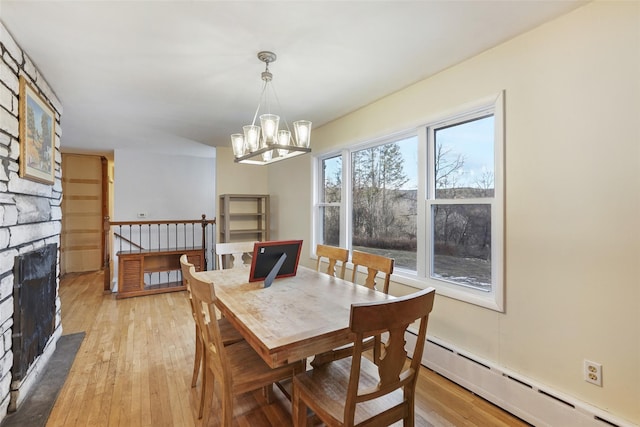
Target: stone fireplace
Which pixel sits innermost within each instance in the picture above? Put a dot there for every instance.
(30, 227)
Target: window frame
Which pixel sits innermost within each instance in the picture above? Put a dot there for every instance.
(318, 204)
(421, 278)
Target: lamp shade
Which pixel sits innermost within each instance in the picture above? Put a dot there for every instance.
(303, 132)
(237, 142)
(269, 123)
(251, 136)
(284, 138)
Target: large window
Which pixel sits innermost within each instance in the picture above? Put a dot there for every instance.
(430, 198)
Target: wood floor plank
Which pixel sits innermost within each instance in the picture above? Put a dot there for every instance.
(134, 369)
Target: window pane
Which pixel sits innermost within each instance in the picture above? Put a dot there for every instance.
(462, 244)
(330, 223)
(464, 165)
(384, 185)
(331, 180)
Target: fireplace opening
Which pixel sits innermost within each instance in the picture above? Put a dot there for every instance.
(34, 299)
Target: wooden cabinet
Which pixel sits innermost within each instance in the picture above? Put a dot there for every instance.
(145, 272)
(244, 217)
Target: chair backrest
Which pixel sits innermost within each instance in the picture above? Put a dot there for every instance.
(375, 264)
(235, 250)
(186, 278)
(391, 316)
(204, 298)
(333, 255)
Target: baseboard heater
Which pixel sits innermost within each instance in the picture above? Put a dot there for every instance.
(531, 402)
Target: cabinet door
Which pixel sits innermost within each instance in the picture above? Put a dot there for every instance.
(130, 274)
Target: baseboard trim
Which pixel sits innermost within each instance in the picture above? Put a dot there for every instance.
(534, 403)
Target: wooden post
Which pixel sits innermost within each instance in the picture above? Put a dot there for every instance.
(106, 267)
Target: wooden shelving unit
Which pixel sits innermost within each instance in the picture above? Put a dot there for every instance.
(136, 265)
(244, 217)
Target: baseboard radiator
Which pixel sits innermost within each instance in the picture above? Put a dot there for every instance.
(534, 403)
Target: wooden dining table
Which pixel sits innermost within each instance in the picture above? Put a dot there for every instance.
(293, 319)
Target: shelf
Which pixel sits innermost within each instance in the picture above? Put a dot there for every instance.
(244, 217)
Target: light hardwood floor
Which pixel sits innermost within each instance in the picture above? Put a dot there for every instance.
(134, 369)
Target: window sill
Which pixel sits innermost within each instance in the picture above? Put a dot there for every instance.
(484, 299)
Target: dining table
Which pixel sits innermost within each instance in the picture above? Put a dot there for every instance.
(296, 317)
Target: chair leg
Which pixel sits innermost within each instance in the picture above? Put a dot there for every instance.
(410, 398)
(298, 409)
(207, 378)
(208, 386)
(197, 360)
(267, 392)
(227, 408)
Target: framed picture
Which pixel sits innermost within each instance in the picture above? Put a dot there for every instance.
(37, 136)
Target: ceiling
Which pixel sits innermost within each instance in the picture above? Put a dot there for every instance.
(165, 74)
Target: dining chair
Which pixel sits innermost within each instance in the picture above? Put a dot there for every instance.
(333, 255)
(228, 333)
(374, 264)
(355, 391)
(234, 251)
(237, 367)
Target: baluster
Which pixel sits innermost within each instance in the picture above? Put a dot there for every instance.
(120, 233)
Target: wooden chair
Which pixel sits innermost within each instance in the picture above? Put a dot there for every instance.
(375, 264)
(234, 250)
(229, 334)
(333, 255)
(236, 367)
(354, 391)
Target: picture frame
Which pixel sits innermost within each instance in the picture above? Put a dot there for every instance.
(37, 128)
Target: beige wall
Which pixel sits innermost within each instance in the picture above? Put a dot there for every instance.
(572, 219)
(235, 178)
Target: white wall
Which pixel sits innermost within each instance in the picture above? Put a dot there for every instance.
(164, 186)
(572, 210)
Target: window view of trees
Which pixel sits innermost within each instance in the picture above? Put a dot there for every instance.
(384, 200)
(464, 173)
(448, 234)
(331, 193)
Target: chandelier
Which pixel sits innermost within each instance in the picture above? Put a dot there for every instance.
(266, 143)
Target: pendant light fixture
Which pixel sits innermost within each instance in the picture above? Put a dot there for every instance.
(271, 141)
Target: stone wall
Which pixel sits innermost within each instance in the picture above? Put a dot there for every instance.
(30, 212)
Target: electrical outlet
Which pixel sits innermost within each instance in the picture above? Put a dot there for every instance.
(593, 372)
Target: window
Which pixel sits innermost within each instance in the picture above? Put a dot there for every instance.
(384, 182)
(329, 203)
(463, 165)
(430, 198)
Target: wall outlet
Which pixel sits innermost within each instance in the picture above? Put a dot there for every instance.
(593, 372)
(142, 214)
